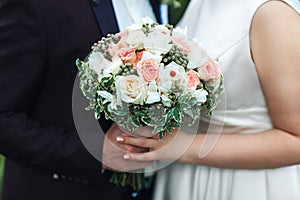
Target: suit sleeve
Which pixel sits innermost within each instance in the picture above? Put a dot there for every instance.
(22, 67)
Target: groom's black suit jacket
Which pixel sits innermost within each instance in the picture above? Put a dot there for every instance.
(39, 43)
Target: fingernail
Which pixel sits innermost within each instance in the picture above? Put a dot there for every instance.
(119, 139)
(126, 156)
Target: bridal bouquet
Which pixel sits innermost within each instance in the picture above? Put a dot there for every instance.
(150, 75)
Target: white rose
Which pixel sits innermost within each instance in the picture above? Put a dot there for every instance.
(181, 31)
(139, 25)
(114, 67)
(97, 62)
(136, 39)
(135, 26)
(147, 20)
(198, 56)
(159, 39)
(150, 56)
(130, 89)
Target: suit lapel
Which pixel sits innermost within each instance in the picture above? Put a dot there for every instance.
(105, 15)
(155, 6)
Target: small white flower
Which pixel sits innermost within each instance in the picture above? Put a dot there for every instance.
(165, 100)
(153, 95)
(172, 74)
(201, 95)
(152, 86)
(105, 95)
(113, 103)
(114, 67)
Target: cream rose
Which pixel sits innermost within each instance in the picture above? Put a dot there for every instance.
(130, 89)
(148, 70)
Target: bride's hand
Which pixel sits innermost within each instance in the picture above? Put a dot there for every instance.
(170, 148)
(113, 152)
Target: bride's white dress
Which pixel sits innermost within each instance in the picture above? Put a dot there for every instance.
(222, 27)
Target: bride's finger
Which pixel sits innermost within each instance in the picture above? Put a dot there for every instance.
(149, 156)
(138, 141)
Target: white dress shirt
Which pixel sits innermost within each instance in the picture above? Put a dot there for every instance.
(132, 11)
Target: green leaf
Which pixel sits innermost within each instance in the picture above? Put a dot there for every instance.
(161, 134)
(98, 112)
(140, 113)
(147, 121)
(176, 125)
(188, 111)
(182, 98)
(107, 82)
(169, 128)
(192, 101)
(177, 115)
(158, 129)
(120, 112)
(78, 64)
(90, 107)
(130, 124)
(170, 115)
(135, 120)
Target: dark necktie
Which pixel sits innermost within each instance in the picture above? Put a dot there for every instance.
(175, 14)
(105, 15)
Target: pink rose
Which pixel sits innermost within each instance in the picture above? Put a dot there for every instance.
(114, 48)
(127, 55)
(148, 70)
(209, 71)
(181, 44)
(192, 79)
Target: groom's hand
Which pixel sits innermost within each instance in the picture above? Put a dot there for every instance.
(113, 152)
